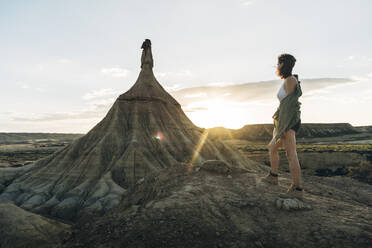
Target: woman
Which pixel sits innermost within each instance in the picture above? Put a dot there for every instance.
(287, 122)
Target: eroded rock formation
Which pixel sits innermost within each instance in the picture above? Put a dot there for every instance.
(144, 131)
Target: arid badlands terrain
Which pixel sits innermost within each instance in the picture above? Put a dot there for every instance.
(146, 176)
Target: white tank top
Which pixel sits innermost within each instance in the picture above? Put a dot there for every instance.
(281, 93)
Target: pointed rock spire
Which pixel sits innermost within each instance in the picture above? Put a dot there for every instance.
(147, 62)
(147, 88)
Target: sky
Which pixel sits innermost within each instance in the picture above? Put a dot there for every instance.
(63, 63)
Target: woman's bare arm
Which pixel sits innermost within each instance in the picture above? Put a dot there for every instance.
(289, 85)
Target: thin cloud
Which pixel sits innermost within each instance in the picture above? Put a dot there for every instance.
(255, 91)
(194, 109)
(100, 93)
(64, 61)
(359, 78)
(33, 117)
(40, 89)
(315, 92)
(26, 86)
(40, 67)
(362, 61)
(115, 72)
(5, 112)
(248, 2)
(100, 104)
(220, 84)
(249, 94)
(184, 73)
(196, 95)
(23, 85)
(173, 87)
(95, 109)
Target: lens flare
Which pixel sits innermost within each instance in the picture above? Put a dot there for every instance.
(202, 139)
(159, 136)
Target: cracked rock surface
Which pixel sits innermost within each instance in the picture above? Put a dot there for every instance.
(180, 207)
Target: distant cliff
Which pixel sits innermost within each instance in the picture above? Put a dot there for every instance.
(264, 132)
(22, 138)
(252, 132)
(364, 128)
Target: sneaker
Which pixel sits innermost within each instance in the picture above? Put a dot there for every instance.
(270, 179)
(293, 192)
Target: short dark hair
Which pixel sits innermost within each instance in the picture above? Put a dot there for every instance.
(288, 61)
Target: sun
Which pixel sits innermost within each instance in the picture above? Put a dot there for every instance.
(216, 113)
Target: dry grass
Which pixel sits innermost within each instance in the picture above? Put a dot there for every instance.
(363, 172)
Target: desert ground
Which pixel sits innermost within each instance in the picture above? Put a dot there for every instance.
(147, 176)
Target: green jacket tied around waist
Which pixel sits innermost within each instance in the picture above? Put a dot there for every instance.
(288, 113)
